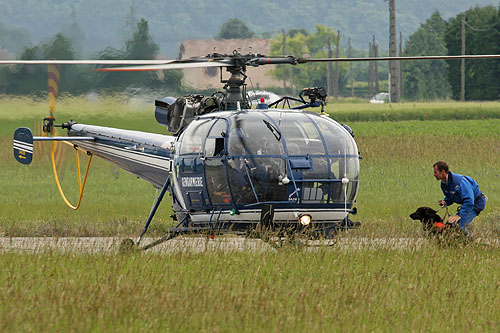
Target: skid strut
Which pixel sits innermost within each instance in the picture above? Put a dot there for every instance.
(153, 210)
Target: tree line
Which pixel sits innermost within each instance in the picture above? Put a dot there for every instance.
(78, 79)
(422, 80)
(427, 80)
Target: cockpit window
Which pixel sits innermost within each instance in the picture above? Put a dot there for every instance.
(219, 129)
(338, 142)
(301, 135)
(195, 135)
(263, 147)
(254, 135)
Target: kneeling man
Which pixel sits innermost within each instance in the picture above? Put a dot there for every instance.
(462, 190)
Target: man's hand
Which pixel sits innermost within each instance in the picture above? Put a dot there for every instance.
(442, 203)
(454, 219)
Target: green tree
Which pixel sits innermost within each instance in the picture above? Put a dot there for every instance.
(482, 32)
(297, 46)
(426, 80)
(59, 47)
(303, 45)
(74, 79)
(234, 29)
(29, 79)
(26, 79)
(139, 46)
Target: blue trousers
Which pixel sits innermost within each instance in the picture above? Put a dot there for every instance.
(464, 221)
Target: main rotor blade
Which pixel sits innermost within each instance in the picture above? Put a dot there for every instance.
(85, 62)
(174, 65)
(471, 56)
(217, 60)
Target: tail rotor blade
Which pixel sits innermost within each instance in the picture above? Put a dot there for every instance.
(54, 75)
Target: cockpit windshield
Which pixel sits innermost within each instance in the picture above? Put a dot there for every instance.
(301, 135)
(247, 155)
(254, 134)
(313, 151)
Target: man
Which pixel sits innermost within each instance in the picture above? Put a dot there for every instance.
(462, 190)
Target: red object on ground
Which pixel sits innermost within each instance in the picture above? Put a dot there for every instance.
(439, 225)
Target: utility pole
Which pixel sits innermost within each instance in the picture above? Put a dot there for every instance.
(462, 67)
(285, 53)
(375, 54)
(400, 67)
(392, 51)
(350, 70)
(329, 77)
(370, 71)
(337, 68)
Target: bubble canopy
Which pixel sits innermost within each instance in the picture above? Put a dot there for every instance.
(248, 157)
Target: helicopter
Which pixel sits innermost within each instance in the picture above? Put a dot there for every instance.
(227, 166)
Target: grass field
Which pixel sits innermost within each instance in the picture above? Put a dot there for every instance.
(430, 288)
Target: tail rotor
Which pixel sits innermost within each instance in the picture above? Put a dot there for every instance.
(45, 127)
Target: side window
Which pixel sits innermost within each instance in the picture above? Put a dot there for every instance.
(215, 143)
(254, 134)
(337, 140)
(195, 136)
(218, 188)
(215, 168)
(214, 147)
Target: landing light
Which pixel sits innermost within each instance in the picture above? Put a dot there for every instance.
(305, 219)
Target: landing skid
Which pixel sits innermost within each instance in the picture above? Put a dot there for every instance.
(267, 229)
(129, 244)
(277, 236)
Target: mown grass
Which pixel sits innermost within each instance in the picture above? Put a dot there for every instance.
(449, 110)
(431, 289)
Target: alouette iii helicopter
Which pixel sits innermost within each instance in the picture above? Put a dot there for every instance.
(227, 166)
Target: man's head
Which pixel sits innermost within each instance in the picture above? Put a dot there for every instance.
(441, 170)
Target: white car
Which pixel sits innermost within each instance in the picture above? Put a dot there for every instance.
(380, 98)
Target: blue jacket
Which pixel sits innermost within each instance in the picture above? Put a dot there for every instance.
(462, 190)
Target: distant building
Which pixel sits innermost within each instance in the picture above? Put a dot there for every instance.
(207, 78)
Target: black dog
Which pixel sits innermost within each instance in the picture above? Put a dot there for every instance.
(433, 225)
(431, 221)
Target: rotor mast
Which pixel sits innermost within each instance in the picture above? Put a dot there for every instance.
(235, 87)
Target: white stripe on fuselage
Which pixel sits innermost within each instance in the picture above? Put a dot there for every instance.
(145, 159)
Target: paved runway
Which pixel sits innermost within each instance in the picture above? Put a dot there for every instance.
(203, 244)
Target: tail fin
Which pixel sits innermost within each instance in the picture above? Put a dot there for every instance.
(23, 145)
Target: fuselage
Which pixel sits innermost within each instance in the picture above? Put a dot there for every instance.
(226, 165)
